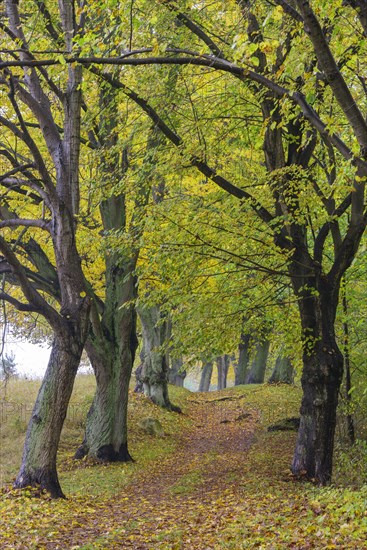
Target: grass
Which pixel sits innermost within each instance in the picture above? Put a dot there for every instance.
(187, 483)
(262, 507)
(16, 411)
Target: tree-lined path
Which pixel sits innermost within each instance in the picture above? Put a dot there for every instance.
(176, 501)
(216, 479)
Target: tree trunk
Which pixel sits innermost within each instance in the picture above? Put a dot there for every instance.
(176, 374)
(322, 374)
(222, 366)
(155, 366)
(283, 372)
(347, 371)
(38, 466)
(111, 349)
(106, 427)
(243, 360)
(321, 379)
(258, 366)
(206, 376)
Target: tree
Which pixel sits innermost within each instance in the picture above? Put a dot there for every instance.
(206, 375)
(45, 172)
(222, 367)
(112, 340)
(8, 369)
(307, 100)
(177, 373)
(8, 366)
(154, 372)
(291, 140)
(243, 359)
(257, 370)
(283, 371)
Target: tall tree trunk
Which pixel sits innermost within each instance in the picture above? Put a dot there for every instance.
(155, 367)
(44, 429)
(106, 426)
(222, 367)
(283, 372)
(243, 360)
(206, 376)
(111, 348)
(177, 374)
(258, 365)
(321, 380)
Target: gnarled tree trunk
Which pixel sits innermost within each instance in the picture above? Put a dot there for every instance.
(154, 374)
(111, 348)
(106, 426)
(44, 429)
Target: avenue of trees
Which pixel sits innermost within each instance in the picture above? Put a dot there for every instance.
(201, 165)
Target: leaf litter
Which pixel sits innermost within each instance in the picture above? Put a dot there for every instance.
(224, 483)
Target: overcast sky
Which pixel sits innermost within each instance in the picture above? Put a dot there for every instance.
(31, 360)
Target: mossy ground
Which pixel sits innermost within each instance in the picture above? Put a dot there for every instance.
(216, 479)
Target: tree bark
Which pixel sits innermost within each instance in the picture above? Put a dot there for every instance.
(38, 466)
(347, 370)
(243, 360)
(222, 367)
(283, 372)
(258, 365)
(321, 379)
(206, 376)
(176, 374)
(155, 366)
(111, 348)
(106, 426)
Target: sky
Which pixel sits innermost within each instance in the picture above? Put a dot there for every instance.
(31, 359)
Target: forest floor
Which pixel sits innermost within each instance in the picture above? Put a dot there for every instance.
(216, 479)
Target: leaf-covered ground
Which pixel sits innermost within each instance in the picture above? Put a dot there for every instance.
(217, 479)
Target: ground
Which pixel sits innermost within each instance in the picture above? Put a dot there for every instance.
(216, 479)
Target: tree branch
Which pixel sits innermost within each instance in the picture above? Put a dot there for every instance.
(33, 149)
(202, 166)
(19, 222)
(334, 77)
(288, 9)
(193, 27)
(31, 294)
(20, 306)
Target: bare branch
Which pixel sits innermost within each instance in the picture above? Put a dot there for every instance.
(20, 306)
(20, 222)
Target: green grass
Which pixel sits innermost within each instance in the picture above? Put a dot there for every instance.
(274, 511)
(187, 483)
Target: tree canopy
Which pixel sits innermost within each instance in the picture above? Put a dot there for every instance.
(215, 150)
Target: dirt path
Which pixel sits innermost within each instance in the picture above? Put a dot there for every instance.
(179, 502)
